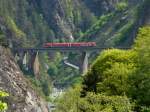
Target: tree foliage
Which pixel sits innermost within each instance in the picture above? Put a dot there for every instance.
(110, 72)
(118, 72)
(118, 81)
(103, 103)
(69, 102)
(140, 81)
(121, 6)
(72, 102)
(3, 106)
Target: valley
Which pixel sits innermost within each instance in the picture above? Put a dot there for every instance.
(77, 55)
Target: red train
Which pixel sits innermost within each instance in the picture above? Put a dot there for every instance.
(70, 44)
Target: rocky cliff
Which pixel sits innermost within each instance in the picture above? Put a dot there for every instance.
(22, 97)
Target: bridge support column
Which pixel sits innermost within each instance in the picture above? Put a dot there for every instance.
(36, 66)
(85, 62)
(25, 61)
(19, 58)
(31, 59)
(16, 57)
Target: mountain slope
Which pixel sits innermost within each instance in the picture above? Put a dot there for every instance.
(43, 20)
(22, 97)
(30, 23)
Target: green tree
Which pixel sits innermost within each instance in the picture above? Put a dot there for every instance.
(72, 102)
(103, 103)
(69, 102)
(52, 71)
(117, 72)
(110, 72)
(140, 81)
(116, 76)
(121, 6)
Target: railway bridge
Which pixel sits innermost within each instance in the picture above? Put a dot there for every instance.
(33, 53)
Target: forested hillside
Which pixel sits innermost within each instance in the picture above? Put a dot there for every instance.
(117, 81)
(107, 22)
(114, 78)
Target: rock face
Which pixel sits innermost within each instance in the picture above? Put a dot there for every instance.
(22, 97)
(67, 20)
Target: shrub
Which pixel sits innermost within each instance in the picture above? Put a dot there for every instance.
(3, 106)
(103, 103)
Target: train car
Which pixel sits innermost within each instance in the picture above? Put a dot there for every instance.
(70, 44)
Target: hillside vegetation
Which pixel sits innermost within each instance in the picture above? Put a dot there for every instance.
(118, 80)
(3, 106)
(109, 23)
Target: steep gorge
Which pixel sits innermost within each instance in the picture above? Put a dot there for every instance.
(30, 23)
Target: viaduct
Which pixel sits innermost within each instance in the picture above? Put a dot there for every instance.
(33, 54)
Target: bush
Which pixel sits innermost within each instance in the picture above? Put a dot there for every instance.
(3, 106)
(102, 103)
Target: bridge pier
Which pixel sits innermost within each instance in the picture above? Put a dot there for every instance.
(36, 66)
(28, 61)
(85, 65)
(19, 58)
(16, 57)
(25, 61)
(31, 59)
